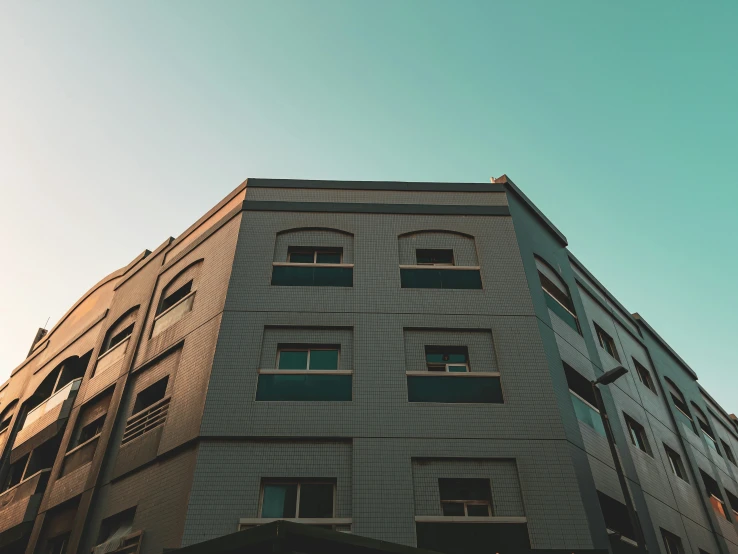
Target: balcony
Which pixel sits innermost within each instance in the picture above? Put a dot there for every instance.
(146, 420)
(127, 544)
(47, 413)
(454, 388)
(587, 414)
(19, 504)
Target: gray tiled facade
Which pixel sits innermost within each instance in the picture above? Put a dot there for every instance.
(195, 470)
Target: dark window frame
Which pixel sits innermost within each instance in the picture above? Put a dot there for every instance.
(638, 435)
(607, 343)
(444, 482)
(298, 482)
(644, 376)
(676, 463)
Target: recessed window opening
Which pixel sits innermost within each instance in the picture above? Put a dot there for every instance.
(637, 435)
(559, 301)
(4, 424)
(120, 337)
(428, 256)
(119, 331)
(15, 473)
(298, 499)
(707, 432)
(43, 456)
(451, 359)
(681, 405)
(726, 449)
(733, 501)
(465, 497)
(672, 543)
(171, 299)
(583, 399)
(151, 395)
(676, 464)
(644, 375)
(714, 495)
(116, 527)
(91, 430)
(314, 255)
(308, 358)
(616, 516)
(607, 343)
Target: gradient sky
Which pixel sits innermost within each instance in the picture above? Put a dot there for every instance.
(122, 122)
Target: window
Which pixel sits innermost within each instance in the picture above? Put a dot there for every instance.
(607, 343)
(310, 255)
(465, 497)
(452, 359)
(637, 435)
(644, 375)
(682, 415)
(297, 500)
(116, 532)
(707, 432)
(40, 459)
(435, 277)
(58, 545)
(672, 543)
(726, 449)
(306, 373)
(151, 395)
(675, 462)
(87, 430)
(434, 257)
(616, 517)
(714, 495)
(583, 399)
(313, 267)
(15, 473)
(59, 384)
(314, 358)
(556, 293)
(119, 332)
(176, 296)
(733, 501)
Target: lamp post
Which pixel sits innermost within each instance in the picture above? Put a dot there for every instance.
(606, 379)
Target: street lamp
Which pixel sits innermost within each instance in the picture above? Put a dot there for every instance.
(606, 379)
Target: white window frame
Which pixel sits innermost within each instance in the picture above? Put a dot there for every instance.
(309, 349)
(299, 484)
(444, 367)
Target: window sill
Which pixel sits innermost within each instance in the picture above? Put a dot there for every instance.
(295, 264)
(305, 372)
(453, 373)
(444, 267)
(471, 519)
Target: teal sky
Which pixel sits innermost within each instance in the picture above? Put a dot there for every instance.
(121, 123)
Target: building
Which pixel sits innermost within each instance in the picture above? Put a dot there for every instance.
(409, 362)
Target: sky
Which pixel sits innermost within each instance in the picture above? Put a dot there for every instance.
(122, 122)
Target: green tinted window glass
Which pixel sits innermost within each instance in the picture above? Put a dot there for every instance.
(420, 278)
(454, 390)
(477, 510)
(293, 359)
(461, 279)
(434, 358)
(279, 501)
(587, 415)
(304, 388)
(560, 311)
(324, 359)
(287, 276)
(316, 500)
(333, 277)
(457, 369)
(329, 257)
(301, 257)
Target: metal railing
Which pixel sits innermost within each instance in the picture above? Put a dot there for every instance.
(130, 544)
(146, 420)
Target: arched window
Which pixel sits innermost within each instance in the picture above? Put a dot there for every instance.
(680, 403)
(177, 298)
(707, 431)
(438, 259)
(115, 344)
(313, 257)
(558, 298)
(5, 418)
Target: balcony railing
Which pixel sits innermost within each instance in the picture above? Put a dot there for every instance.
(146, 420)
(51, 402)
(435, 277)
(112, 355)
(454, 388)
